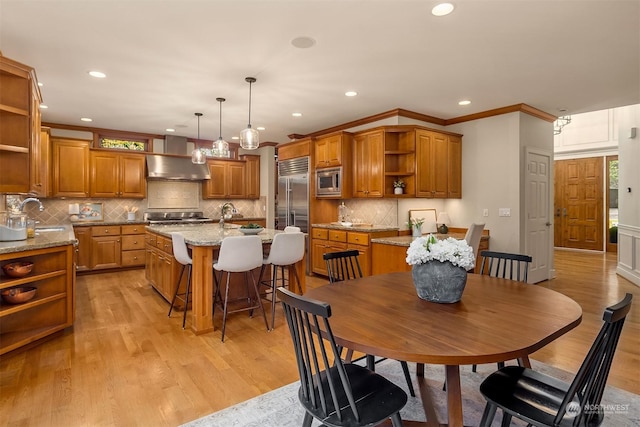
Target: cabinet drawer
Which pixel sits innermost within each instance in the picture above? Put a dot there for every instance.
(164, 244)
(130, 258)
(320, 233)
(108, 230)
(358, 238)
(133, 229)
(132, 242)
(337, 236)
(150, 239)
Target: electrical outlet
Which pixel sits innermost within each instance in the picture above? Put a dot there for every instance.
(504, 212)
(485, 212)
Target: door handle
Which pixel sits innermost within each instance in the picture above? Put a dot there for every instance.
(548, 224)
(558, 212)
(564, 211)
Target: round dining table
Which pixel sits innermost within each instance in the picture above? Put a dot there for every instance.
(496, 320)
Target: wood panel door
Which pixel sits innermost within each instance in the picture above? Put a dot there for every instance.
(70, 174)
(132, 176)
(368, 164)
(578, 199)
(432, 177)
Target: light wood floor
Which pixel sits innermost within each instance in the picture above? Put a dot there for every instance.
(124, 363)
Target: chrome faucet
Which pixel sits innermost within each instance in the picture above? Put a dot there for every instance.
(30, 199)
(225, 208)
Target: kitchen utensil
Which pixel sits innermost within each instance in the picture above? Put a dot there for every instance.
(18, 295)
(18, 269)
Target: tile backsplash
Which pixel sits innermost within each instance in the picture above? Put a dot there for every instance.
(57, 210)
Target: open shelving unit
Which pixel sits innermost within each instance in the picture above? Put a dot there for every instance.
(399, 161)
(53, 307)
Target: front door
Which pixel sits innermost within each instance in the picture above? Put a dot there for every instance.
(538, 223)
(579, 203)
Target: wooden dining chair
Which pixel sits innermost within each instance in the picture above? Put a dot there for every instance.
(541, 400)
(506, 266)
(332, 391)
(344, 265)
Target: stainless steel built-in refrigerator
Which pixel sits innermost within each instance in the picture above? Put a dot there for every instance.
(293, 193)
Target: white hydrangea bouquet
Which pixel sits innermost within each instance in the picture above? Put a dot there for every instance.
(428, 248)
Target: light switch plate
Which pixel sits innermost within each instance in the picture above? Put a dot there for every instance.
(485, 212)
(504, 212)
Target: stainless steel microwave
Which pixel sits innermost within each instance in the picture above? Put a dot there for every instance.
(329, 182)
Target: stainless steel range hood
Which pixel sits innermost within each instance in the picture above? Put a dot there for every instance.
(175, 168)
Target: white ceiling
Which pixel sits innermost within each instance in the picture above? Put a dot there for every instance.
(166, 60)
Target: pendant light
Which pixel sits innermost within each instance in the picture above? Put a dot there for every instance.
(197, 155)
(221, 147)
(249, 138)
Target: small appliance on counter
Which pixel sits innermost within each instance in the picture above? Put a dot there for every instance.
(13, 227)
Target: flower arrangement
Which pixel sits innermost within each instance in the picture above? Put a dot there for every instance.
(415, 222)
(399, 183)
(428, 248)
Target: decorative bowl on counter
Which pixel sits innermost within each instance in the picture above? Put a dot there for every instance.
(18, 295)
(17, 269)
(250, 231)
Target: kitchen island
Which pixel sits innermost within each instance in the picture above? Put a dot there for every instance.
(204, 241)
(52, 309)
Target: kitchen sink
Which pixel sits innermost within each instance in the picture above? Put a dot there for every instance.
(45, 229)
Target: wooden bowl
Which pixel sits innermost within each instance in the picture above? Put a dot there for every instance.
(18, 295)
(17, 269)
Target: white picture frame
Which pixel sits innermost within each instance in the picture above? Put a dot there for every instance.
(429, 216)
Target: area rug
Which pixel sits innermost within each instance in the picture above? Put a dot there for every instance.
(280, 407)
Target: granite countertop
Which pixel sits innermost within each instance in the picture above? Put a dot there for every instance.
(123, 222)
(406, 240)
(208, 234)
(356, 227)
(43, 239)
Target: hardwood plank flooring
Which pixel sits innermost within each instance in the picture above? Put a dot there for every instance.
(124, 363)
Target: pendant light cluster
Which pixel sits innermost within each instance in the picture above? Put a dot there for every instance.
(249, 137)
(197, 155)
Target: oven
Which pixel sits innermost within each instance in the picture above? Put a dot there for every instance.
(176, 218)
(329, 182)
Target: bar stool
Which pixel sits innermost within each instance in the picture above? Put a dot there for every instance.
(286, 250)
(238, 254)
(181, 254)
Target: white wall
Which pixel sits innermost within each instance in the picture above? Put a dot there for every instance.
(629, 194)
(491, 169)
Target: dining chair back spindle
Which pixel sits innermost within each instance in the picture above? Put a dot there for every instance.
(342, 265)
(334, 392)
(542, 400)
(505, 265)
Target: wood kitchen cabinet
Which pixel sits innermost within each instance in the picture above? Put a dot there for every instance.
(324, 240)
(70, 167)
(368, 164)
(53, 307)
(102, 247)
(83, 259)
(162, 270)
(333, 150)
(105, 247)
(40, 161)
(117, 174)
(439, 168)
(20, 100)
(227, 180)
(252, 175)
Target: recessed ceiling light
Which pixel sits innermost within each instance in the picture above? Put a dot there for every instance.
(44, 106)
(350, 93)
(303, 42)
(235, 137)
(261, 128)
(170, 130)
(296, 114)
(86, 119)
(97, 74)
(464, 102)
(442, 9)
